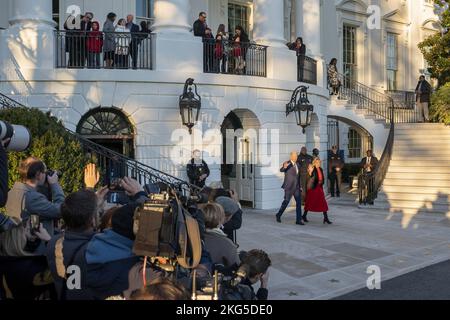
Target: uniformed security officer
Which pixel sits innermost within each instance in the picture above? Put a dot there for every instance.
(197, 170)
(335, 166)
(304, 160)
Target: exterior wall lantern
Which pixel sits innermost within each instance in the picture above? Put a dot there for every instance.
(190, 104)
(300, 105)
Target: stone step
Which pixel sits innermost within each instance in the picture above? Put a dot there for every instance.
(444, 139)
(444, 165)
(422, 175)
(384, 206)
(401, 205)
(422, 157)
(422, 132)
(416, 169)
(415, 189)
(423, 182)
(414, 197)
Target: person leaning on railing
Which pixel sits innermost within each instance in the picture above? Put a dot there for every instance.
(333, 77)
(300, 50)
(94, 45)
(109, 45)
(240, 47)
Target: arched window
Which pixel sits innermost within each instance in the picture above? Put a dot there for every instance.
(354, 144)
(109, 127)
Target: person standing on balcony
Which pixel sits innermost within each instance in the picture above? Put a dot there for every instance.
(333, 77)
(423, 92)
(300, 50)
(200, 25)
(122, 40)
(221, 48)
(292, 187)
(304, 160)
(240, 46)
(335, 166)
(85, 27)
(197, 170)
(209, 47)
(94, 46)
(134, 29)
(109, 45)
(315, 197)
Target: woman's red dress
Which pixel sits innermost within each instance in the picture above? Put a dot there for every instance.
(315, 198)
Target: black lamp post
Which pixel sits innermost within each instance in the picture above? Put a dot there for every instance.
(190, 104)
(300, 105)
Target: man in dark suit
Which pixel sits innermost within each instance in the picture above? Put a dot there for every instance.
(304, 160)
(200, 25)
(134, 29)
(292, 187)
(423, 92)
(369, 163)
(335, 166)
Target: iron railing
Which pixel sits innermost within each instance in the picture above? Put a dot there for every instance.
(306, 69)
(114, 165)
(403, 99)
(110, 50)
(370, 183)
(231, 57)
(375, 103)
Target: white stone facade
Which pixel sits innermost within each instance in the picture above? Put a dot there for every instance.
(150, 97)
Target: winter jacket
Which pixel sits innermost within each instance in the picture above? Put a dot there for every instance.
(74, 247)
(109, 259)
(95, 41)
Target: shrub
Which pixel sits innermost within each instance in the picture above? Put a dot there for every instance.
(440, 105)
(51, 143)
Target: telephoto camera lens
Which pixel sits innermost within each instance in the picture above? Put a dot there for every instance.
(20, 136)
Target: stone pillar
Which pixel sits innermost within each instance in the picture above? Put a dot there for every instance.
(30, 37)
(298, 4)
(175, 46)
(172, 16)
(269, 30)
(311, 34)
(269, 22)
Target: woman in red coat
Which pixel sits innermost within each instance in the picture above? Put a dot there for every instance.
(315, 197)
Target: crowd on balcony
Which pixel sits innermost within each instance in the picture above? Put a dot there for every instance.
(119, 42)
(82, 247)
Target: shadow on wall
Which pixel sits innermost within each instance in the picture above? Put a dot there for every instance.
(441, 204)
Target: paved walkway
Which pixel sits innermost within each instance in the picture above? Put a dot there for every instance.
(322, 262)
(431, 283)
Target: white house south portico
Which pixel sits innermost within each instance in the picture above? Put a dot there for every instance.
(35, 70)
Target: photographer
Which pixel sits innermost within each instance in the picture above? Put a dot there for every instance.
(25, 201)
(257, 263)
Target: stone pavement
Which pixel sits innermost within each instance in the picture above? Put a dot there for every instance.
(322, 262)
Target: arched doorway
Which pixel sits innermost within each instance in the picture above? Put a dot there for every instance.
(239, 132)
(109, 127)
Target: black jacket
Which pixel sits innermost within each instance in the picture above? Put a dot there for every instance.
(262, 293)
(199, 29)
(194, 171)
(74, 249)
(373, 162)
(304, 161)
(424, 96)
(3, 176)
(235, 223)
(314, 181)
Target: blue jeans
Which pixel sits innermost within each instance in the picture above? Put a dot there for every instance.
(298, 201)
(93, 60)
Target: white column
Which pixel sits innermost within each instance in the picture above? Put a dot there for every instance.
(298, 18)
(172, 16)
(30, 37)
(268, 17)
(176, 48)
(311, 26)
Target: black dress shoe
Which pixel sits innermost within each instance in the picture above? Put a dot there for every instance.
(300, 223)
(326, 221)
(278, 219)
(305, 219)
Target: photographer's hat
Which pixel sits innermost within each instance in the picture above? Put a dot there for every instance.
(229, 205)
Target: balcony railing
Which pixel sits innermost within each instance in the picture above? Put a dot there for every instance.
(109, 50)
(231, 57)
(306, 69)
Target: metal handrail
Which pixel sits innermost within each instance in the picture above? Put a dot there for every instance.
(109, 160)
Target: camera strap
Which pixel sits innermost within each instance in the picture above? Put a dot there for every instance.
(188, 239)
